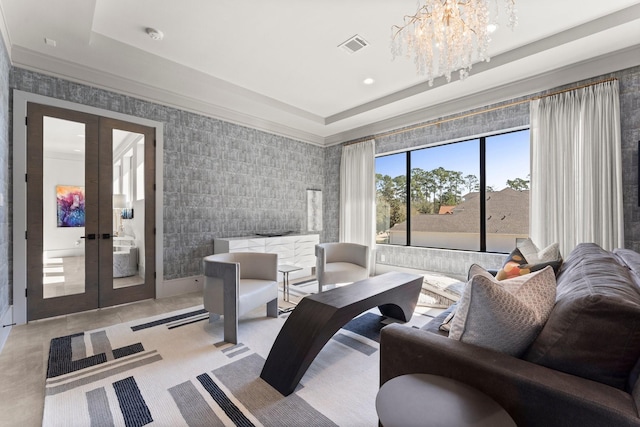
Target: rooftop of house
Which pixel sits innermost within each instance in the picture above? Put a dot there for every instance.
(507, 213)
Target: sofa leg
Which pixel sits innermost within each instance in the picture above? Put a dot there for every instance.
(272, 308)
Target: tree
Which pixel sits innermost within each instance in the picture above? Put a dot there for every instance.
(454, 184)
(391, 198)
(518, 184)
(400, 188)
(440, 177)
(421, 189)
(430, 188)
(471, 182)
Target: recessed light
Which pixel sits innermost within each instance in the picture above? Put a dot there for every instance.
(155, 34)
(368, 81)
(492, 28)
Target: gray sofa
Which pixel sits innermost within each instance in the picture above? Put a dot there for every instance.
(581, 370)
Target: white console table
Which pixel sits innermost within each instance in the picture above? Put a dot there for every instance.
(297, 250)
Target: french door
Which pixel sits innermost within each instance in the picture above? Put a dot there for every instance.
(90, 211)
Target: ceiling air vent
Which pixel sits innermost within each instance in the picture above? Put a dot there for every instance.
(354, 44)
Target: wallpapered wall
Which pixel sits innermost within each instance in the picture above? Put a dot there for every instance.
(220, 179)
(223, 180)
(5, 199)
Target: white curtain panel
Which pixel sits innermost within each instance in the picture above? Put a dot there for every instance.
(358, 194)
(576, 168)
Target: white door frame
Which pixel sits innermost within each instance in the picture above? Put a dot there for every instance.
(20, 100)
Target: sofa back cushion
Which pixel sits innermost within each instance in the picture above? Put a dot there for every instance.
(594, 328)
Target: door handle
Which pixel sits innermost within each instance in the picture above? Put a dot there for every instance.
(106, 235)
(89, 237)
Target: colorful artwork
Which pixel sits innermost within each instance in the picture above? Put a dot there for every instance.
(70, 201)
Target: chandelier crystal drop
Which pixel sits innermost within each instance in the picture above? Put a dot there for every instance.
(449, 35)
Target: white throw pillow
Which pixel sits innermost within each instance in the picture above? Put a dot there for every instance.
(533, 255)
(506, 315)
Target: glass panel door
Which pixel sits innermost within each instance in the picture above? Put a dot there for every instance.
(90, 212)
(128, 209)
(63, 203)
(127, 176)
(62, 213)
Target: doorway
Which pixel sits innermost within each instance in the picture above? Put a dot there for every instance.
(90, 211)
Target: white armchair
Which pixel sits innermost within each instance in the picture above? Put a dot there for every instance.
(236, 283)
(341, 263)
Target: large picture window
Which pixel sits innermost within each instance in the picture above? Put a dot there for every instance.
(469, 195)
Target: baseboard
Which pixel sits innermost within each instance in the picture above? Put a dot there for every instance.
(7, 319)
(386, 268)
(185, 285)
(59, 253)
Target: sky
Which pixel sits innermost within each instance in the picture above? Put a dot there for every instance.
(507, 158)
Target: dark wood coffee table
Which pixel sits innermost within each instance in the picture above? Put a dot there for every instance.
(318, 317)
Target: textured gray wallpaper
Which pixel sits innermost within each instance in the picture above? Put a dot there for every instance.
(5, 232)
(220, 179)
(629, 81)
(226, 180)
(331, 206)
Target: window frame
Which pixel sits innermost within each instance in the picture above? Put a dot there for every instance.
(482, 140)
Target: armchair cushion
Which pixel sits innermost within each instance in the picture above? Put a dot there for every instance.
(341, 263)
(339, 272)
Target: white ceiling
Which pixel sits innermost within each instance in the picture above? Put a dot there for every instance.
(275, 65)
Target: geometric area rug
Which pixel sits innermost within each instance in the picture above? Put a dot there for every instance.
(175, 369)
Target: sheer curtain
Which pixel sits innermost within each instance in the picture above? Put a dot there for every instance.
(358, 194)
(576, 168)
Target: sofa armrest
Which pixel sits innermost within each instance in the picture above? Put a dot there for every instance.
(532, 394)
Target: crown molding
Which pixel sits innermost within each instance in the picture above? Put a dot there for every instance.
(200, 93)
(595, 26)
(45, 64)
(605, 64)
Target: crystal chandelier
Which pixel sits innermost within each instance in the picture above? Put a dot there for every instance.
(448, 35)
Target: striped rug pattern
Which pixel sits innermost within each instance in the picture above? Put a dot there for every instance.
(175, 370)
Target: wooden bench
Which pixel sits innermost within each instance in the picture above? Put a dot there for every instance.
(318, 317)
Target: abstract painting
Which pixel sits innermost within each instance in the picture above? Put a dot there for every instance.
(70, 204)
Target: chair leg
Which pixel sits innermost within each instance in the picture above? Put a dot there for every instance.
(231, 330)
(272, 308)
(319, 287)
